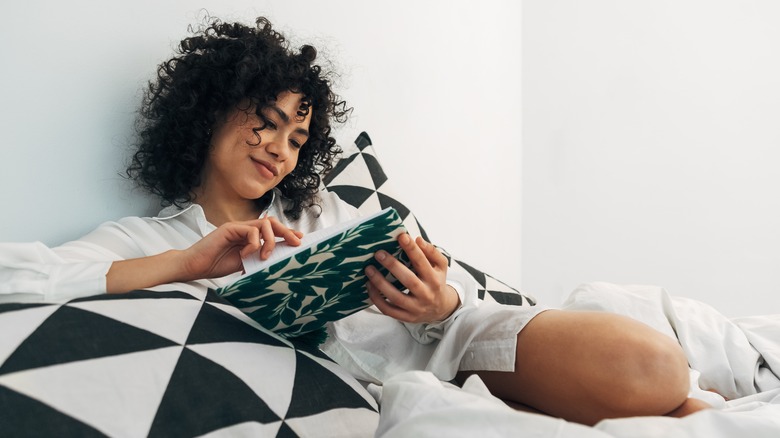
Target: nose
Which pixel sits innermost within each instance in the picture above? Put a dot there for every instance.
(276, 144)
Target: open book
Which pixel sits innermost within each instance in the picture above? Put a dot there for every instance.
(301, 288)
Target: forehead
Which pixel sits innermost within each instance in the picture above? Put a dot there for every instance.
(289, 108)
(294, 105)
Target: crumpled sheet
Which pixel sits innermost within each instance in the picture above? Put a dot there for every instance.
(739, 358)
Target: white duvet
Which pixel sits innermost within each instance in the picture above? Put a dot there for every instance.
(739, 358)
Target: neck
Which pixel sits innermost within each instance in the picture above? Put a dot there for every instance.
(219, 210)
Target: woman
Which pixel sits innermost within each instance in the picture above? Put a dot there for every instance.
(233, 137)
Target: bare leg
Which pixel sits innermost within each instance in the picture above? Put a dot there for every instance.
(519, 407)
(588, 366)
(689, 407)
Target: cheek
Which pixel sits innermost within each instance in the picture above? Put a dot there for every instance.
(250, 138)
(293, 162)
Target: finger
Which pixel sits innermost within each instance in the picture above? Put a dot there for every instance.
(237, 234)
(289, 235)
(434, 256)
(269, 240)
(388, 289)
(292, 237)
(417, 257)
(256, 222)
(252, 236)
(386, 306)
(401, 272)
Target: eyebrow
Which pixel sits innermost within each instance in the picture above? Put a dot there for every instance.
(286, 119)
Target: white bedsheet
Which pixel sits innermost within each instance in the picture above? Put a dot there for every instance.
(739, 358)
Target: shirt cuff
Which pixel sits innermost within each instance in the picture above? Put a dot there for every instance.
(426, 333)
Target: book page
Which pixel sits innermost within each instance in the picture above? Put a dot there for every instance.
(283, 250)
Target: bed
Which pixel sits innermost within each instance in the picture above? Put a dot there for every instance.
(738, 358)
(186, 363)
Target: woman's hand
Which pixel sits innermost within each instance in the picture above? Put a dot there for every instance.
(220, 252)
(430, 299)
(216, 255)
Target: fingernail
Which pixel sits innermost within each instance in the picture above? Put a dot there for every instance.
(370, 271)
(404, 239)
(380, 255)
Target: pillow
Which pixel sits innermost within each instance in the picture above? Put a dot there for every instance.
(359, 179)
(166, 364)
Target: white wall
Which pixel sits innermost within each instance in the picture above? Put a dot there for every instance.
(651, 148)
(436, 84)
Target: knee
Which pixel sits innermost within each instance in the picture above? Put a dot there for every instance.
(657, 378)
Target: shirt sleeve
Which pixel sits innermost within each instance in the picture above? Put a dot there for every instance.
(35, 272)
(466, 287)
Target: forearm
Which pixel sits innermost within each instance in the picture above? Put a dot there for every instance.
(145, 272)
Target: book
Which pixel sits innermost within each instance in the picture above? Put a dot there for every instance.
(299, 289)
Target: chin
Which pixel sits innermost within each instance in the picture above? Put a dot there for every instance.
(254, 193)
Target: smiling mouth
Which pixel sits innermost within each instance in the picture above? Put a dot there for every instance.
(267, 166)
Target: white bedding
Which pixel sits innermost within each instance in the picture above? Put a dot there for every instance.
(739, 358)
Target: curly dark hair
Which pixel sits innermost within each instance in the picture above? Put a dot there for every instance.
(219, 67)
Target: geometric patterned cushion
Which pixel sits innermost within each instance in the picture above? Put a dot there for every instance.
(166, 364)
(358, 179)
(492, 289)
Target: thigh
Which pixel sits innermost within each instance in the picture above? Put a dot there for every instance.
(585, 366)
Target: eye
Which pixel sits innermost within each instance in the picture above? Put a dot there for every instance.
(270, 125)
(295, 144)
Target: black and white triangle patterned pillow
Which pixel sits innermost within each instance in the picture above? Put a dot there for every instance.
(166, 364)
(358, 179)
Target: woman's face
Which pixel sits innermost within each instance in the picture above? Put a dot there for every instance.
(240, 168)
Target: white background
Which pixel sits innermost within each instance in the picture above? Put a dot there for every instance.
(647, 145)
(651, 147)
(436, 87)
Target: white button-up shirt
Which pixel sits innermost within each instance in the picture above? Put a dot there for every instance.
(35, 272)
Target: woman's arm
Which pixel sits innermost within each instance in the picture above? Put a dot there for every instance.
(34, 272)
(143, 272)
(114, 258)
(218, 254)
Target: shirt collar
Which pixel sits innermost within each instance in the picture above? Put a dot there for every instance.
(172, 211)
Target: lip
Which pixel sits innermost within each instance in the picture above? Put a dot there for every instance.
(271, 168)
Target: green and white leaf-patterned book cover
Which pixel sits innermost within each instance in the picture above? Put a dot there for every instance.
(299, 289)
